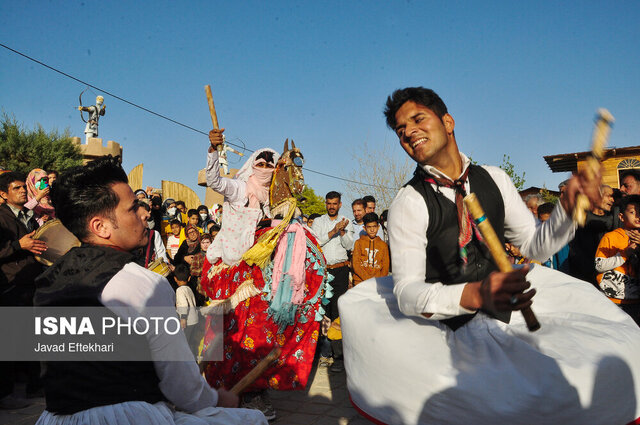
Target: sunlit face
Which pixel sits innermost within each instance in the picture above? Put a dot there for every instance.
(126, 230)
(532, 205)
(358, 212)
(631, 217)
(16, 194)
(371, 229)
(52, 177)
(204, 244)
(141, 196)
(175, 229)
(630, 186)
(371, 207)
(544, 217)
(192, 234)
(607, 199)
(333, 206)
(422, 134)
(193, 219)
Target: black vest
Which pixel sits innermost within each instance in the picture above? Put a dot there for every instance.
(442, 252)
(77, 279)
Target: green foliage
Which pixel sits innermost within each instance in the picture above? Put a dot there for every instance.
(548, 196)
(508, 168)
(23, 150)
(313, 203)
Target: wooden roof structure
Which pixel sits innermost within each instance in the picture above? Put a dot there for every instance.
(614, 162)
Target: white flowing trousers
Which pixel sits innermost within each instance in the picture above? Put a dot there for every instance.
(581, 367)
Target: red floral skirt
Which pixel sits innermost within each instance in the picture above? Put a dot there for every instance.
(249, 334)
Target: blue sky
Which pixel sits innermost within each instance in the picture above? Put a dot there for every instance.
(520, 78)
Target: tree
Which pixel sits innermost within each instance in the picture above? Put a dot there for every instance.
(378, 173)
(509, 168)
(23, 150)
(312, 203)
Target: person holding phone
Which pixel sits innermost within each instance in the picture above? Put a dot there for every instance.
(38, 193)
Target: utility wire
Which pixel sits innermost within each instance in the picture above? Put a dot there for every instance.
(164, 116)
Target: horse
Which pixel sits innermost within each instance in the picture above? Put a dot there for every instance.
(288, 180)
(265, 306)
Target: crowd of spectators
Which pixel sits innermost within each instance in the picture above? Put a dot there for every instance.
(604, 253)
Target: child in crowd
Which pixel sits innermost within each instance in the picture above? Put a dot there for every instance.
(311, 218)
(174, 239)
(545, 210)
(193, 218)
(186, 305)
(196, 269)
(370, 253)
(213, 230)
(617, 260)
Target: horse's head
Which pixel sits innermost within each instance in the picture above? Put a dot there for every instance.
(288, 180)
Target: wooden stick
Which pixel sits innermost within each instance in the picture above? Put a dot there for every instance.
(601, 131)
(212, 111)
(497, 250)
(256, 371)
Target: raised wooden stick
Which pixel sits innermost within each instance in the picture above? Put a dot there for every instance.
(256, 371)
(212, 111)
(601, 131)
(497, 250)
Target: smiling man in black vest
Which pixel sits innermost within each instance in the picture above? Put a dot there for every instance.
(461, 277)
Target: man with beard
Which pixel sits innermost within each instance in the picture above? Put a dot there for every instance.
(103, 272)
(335, 236)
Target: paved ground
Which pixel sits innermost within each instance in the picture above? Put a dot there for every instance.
(324, 402)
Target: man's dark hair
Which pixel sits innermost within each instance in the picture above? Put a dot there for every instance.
(267, 156)
(182, 272)
(214, 227)
(192, 212)
(175, 221)
(180, 203)
(545, 208)
(54, 172)
(333, 195)
(86, 191)
(631, 199)
(368, 199)
(314, 216)
(9, 177)
(419, 95)
(370, 218)
(633, 173)
(206, 236)
(360, 202)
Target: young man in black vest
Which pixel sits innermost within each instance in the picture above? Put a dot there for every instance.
(440, 246)
(97, 205)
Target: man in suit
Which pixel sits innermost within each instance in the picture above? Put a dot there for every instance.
(19, 270)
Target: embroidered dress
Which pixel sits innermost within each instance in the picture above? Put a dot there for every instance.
(258, 318)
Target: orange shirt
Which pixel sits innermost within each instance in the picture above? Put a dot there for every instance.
(370, 259)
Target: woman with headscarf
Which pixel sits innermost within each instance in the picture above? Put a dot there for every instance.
(38, 196)
(203, 218)
(189, 247)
